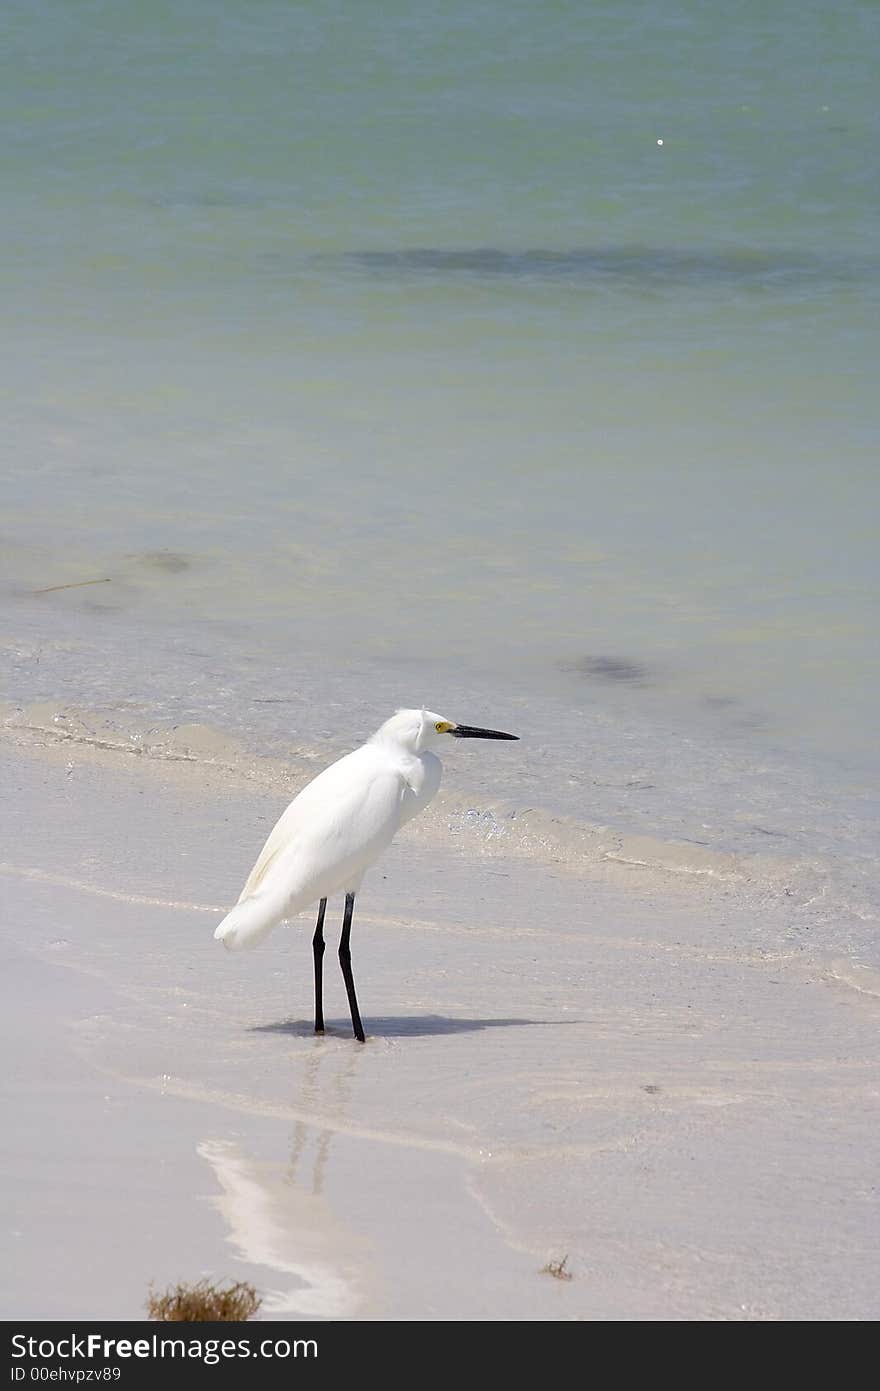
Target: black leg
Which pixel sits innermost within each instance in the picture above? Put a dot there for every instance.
(318, 953)
(345, 963)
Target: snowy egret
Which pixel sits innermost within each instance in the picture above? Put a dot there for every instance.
(335, 828)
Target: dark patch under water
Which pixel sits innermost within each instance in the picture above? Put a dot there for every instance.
(611, 669)
(169, 561)
(638, 264)
(211, 198)
(719, 702)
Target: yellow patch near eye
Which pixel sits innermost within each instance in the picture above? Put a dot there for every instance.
(443, 726)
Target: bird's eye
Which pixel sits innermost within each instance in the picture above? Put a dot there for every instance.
(439, 726)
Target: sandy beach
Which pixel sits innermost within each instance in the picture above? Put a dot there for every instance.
(609, 1064)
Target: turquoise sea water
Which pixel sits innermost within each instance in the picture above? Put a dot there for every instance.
(513, 354)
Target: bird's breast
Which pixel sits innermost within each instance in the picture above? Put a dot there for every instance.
(421, 781)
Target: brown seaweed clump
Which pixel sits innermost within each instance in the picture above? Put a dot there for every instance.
(204, 1302)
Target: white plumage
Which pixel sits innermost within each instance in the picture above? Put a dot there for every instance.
(339, 824)
(336, 827)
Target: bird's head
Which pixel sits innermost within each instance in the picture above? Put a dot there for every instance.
(417, 730)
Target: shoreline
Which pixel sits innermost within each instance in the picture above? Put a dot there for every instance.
(816, 903)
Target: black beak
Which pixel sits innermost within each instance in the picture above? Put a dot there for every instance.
(467, 731)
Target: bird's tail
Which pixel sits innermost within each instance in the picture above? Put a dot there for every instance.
(250, 921)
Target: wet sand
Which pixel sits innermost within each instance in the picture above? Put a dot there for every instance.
(606, 1063)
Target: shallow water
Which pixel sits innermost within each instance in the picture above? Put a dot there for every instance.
(358, 358)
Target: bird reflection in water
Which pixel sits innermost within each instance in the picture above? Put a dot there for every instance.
(277, 1215)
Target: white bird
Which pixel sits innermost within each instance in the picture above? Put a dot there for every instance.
(335, 828)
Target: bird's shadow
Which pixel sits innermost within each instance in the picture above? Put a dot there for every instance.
(402, 1026)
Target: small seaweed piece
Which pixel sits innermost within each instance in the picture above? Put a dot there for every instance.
(557, 1269)
(77, 584)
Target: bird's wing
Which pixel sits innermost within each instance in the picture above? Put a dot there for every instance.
(279, 839)
(342, 812)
